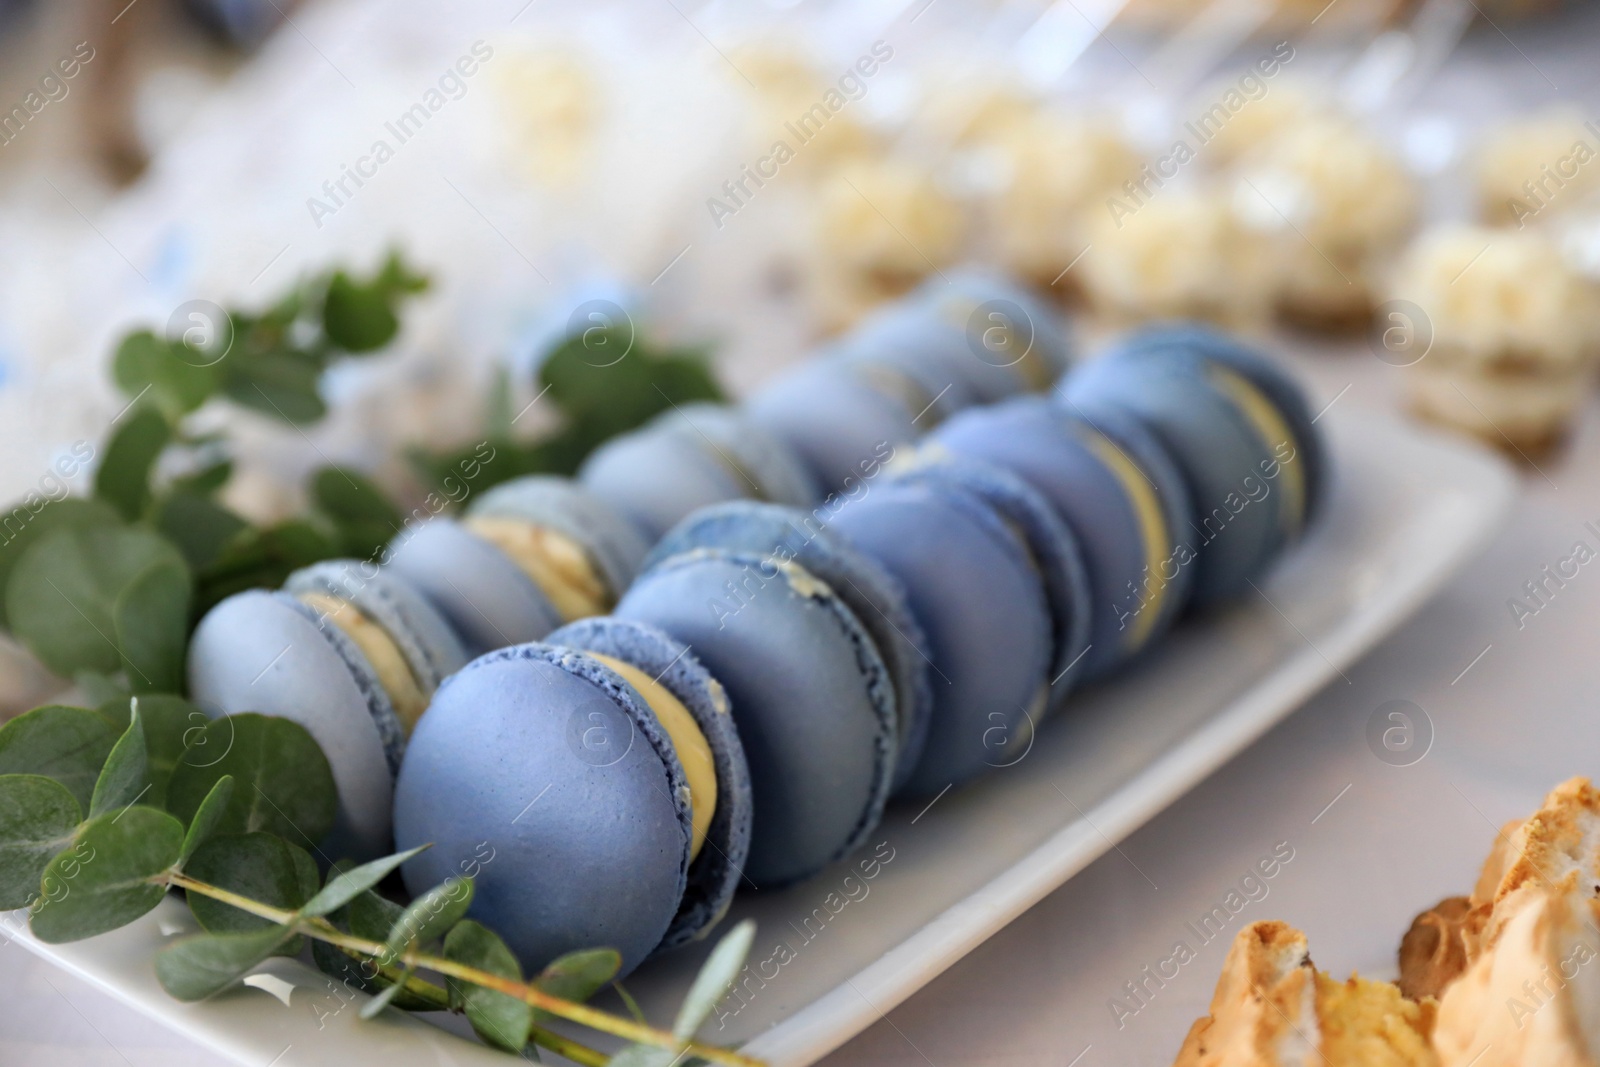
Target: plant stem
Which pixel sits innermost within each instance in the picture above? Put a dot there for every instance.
(583, 1014)
(570, 1049)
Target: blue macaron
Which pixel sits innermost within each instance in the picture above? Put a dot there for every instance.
(715, 873)
(1052, 548)
(1116, 488)
(545, 772)
(973, 586)
(875, 596)
(351, 653)
(1247, 480)
(689, 457)
(811, 697)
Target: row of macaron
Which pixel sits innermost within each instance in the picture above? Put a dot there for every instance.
(779, 668)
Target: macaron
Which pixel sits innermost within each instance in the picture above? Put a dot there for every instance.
(1239, 455)
(689, 457)
(579, 550)
(873, 595)
(1052, 549)
(811, 697)
(846, 418)
(489, 599)
(350, 652)
(975, 588)
(694, 709)
(1114, 485)
(542, 769)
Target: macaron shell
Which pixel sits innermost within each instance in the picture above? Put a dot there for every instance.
(489, 601)
(777, 471)
(656, 477)
(424, 637)
(875, 596)
(575, 842)
(981, 604)
(957, 296)
(842, 428)
(1051, 544)
(265, 652)
(615, 544)
(1221, 455)
(713, 875)
(811, 699)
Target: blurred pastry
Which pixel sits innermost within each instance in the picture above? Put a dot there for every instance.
(1433, 952)
(1512, 328)
(552, 105)
(1273, 1007)
(882, 225)
(1175, 252)
(1256, 123)
(1536, 164)
(1336, 204)
(787, 89)
(1057, 172)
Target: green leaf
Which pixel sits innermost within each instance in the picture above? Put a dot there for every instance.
(63, 597)
(152, 626)
(282, 382)
(263, 867)
(372, 1007)
(282, 782)
(429, 916)
(207, 818)
(176, 378)
(69, 745)
(198, 525)
(37, 818)
(360, 316)
(501, 1020)
(716, 977)
(125, 778)
(369, 916)
(169, 722)
(123, 479)
(645, 1056)
(26, 523)
(345, 887)
(498, 416)
(206, 480)
(262, 558)
(204, 965)
(357, 509)
(580, 975)
(104, 880)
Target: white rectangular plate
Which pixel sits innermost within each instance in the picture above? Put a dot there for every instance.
(1407, 508)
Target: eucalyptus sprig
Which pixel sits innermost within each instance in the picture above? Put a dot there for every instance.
(102, 811)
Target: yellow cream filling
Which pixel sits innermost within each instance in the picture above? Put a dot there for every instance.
(558, 565)
(1152, 528)
(1269, 423)
(408, 695)
(687, 740)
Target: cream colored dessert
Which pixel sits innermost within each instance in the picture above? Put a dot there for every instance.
(1336, 205)
(406, 691)
(552, 106)
(558, 565)
(1514, 340)
(1257, 122)
(1273, 1008)
(1057, 171)
(688, 741)
(1181, 253)
(882, 225)
(786, 90)
(1536, 166)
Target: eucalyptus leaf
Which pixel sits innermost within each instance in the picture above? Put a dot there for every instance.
(104, 880)
(62, 598)
(282, 782)
(125, 778)
(716, 977)
(282, 382)
(645, 1056)
(200, 527)
(206, 480)
(357, 317)
(580, 975)
(152, 626)
(428, 917)
(374, 1006)
(169, 722)
(176, 377)
(368, 916)
(501, 1020)
(261, 558)
(206, 964)
(69, 745)
(346, 886)
(25, 524)
(123, 478)
(37, 820)
(262, 867)
(207, 818)
(358, 510)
